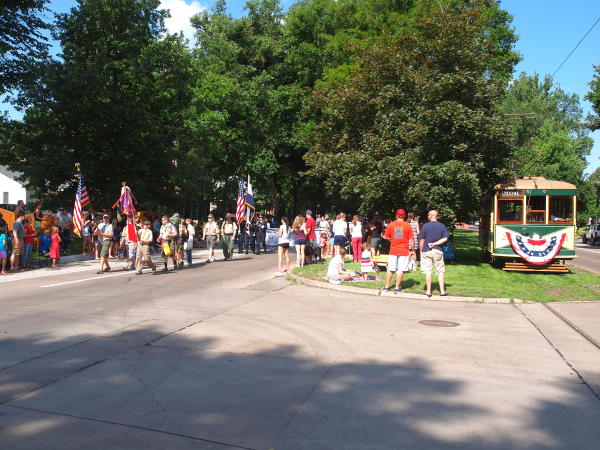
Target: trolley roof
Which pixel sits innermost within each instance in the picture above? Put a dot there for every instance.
(536, 183)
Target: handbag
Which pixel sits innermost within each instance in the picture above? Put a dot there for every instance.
(166, 249)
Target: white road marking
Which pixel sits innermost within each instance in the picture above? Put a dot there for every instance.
(99, 277)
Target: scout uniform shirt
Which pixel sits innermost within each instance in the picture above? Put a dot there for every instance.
(166, 230)
(211, 229)
(145, 235)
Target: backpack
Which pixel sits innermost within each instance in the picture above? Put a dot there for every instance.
(448, 251)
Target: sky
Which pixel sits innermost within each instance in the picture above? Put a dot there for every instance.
(547, 29)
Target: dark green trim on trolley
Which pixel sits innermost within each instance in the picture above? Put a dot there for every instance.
(551, 192)
(541, 229)
(509, 253)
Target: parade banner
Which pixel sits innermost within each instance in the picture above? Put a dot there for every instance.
(538, 250)
(126, 206)
(272, 239)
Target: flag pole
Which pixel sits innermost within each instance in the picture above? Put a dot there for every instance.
(78, 167)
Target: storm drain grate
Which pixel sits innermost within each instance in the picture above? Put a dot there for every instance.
(439, 323)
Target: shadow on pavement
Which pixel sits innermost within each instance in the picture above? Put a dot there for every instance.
(136, 390)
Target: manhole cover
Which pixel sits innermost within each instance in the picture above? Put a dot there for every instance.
(439, 323)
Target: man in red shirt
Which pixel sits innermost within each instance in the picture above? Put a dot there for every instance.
(311, 235)
(400, 235)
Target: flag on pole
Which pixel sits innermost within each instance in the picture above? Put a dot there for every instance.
(250, 209)
(241, 203)
(126, 206)
(81, 199)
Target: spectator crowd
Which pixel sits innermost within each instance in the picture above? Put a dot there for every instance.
(401, 244)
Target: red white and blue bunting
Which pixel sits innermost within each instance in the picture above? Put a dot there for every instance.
(537, 251)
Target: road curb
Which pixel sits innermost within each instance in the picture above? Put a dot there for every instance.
(73, 258)
(372, 292)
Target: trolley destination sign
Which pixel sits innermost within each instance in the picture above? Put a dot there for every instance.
(512, 193)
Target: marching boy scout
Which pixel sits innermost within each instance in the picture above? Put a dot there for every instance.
(143, 251)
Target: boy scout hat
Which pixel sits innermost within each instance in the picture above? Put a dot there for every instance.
(147, 222)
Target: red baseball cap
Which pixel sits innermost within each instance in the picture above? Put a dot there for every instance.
(400, 213)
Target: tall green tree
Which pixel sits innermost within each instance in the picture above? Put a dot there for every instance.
(416, 123)
(548, 133)
(22, 41)
(236, 95)
(115, 102)
(594, 98)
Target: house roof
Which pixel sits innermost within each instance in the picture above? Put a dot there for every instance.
(9, 173)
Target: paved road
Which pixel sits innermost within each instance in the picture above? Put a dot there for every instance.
(588, 257)
(226, 356)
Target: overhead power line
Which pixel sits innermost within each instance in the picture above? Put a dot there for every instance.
(575, 48)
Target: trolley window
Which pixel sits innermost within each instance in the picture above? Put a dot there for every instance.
(510, 211)
(561, 209)
(536, 209)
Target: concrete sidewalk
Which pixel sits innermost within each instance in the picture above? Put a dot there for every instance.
(80, 263)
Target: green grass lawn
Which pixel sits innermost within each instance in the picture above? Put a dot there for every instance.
(472, 277)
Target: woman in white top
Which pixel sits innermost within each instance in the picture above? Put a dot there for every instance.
(340, 227)
(283, 245)
(356, 230)
(336, 270)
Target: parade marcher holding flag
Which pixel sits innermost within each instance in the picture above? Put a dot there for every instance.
(250, 208)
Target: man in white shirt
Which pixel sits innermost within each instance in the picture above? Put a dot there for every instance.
(105, 234)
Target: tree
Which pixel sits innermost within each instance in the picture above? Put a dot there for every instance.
(416, 123)
(550, 138)
(115, 103)
(22, 43)
(594, 98)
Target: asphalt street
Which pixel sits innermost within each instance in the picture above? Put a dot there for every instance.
(226, 355)
(588, 257)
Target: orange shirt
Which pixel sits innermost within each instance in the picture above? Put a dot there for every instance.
(399, 234)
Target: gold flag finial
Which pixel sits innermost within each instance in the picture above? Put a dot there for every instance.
(77, 167)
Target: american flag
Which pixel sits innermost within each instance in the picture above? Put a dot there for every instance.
(241, 203)
(81, 199)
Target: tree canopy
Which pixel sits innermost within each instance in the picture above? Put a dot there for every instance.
(22, 41)
(594, 98)
(354, 104)
(114, 101)
(415, 124)
(548, 132)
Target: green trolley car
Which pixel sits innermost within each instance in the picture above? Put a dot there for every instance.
(530, 226)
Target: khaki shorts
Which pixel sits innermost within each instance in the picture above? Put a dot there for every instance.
(432, 259)
(104, 248)
(18, 249)
(211, 241)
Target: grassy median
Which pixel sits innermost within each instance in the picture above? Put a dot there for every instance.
(472, 277)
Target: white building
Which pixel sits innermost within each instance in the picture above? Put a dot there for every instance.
(11, 191)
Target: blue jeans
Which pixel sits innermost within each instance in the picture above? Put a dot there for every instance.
(26, 258)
